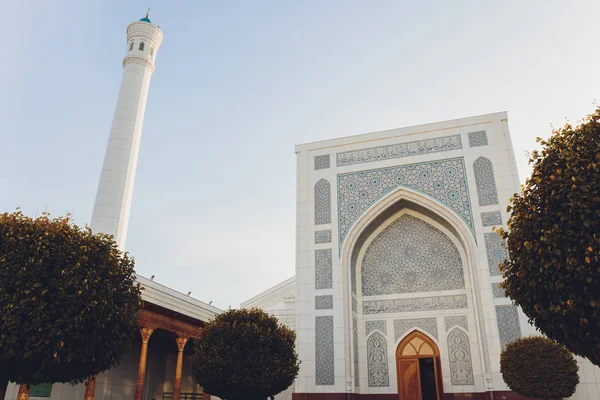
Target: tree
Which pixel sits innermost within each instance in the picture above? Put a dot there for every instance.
(68, 301)
(539, 367)
(553, 239)
(245, 354)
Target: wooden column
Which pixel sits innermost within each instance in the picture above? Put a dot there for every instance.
(90, 388)
(23, 393)
(139, 383)
(181, 341)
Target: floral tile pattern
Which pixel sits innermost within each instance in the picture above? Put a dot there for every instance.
(323, 272)
(323, 236)
(378, 361)
(411, 256)
(492, 218)
(485, 182)
(456, 320)
(402, 326)
(322, 202)
(459, 351)
(496, 252)
(322, 162)
(478, 138)
(323, 302)
(324, 350)
(509, 327)
(370, 326)
(444, 181)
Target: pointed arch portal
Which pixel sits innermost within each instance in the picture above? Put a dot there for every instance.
(418, 368)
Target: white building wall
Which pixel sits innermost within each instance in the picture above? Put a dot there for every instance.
(482, 319)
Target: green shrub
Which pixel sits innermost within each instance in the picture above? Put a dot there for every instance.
(245, 354)
(539, 367)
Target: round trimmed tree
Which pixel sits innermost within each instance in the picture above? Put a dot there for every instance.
(245, 354)
(539, 367)
(68, 301)
(553, 239)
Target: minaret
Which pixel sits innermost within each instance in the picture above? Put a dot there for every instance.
(113, 199)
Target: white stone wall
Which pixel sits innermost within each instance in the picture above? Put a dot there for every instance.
(317, 161)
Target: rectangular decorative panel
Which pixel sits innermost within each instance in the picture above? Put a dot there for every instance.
(498, 291)
(324, 365)
(509, 327)
(399, 150)
(41, 390)
(478, 138)
(496, 252)
(492, 218)
(323, 302)
(415, 304)
(402, 326)
(323, 236)
(322, 162)
(323, 272)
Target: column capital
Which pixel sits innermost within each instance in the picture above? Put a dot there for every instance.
(181, 341)
(146, 333)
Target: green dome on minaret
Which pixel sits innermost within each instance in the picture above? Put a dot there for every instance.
(147, 17)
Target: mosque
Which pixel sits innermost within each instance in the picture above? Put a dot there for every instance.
(396, 289)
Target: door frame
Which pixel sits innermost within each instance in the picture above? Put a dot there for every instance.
(434, 353)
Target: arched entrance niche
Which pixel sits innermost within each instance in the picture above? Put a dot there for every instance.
(405, 201)
(418, 368)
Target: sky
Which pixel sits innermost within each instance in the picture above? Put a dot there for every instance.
(239, 83)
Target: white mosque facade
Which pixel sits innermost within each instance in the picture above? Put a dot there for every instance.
(396, 292)
(396, 289)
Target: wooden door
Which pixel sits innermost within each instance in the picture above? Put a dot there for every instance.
(409, 379)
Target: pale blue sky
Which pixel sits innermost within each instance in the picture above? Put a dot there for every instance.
(239, 83)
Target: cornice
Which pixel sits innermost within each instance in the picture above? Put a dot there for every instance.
(138, 60)
(168, 298)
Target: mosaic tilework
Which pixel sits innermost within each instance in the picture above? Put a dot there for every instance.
(322, 162)
(323, 236)
(399, 150)
(323, 273)
(324, 350)
(354, 305)
(458, 320)
(402, 326)
(459, 351)
(492, 218)
(496, 251)
(355, 337)
(444, 181)
(324, 302)
(378, 361)
(411, 256)
(370, 326)
(415, 304)
(478, 138)
(485, 182)
(322, 202)
(497, 291)
(508, 324)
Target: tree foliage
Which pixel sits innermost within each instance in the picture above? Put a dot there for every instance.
(539, 367)
(68, 300)
(553, 239)
(245, 354)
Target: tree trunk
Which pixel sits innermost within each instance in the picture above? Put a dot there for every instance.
(3, 386)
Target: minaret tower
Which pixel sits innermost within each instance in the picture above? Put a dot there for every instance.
(113, 199)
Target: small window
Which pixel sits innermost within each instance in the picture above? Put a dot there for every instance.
(151, 50)
(131, 46)
(141, 46)
(41, 390)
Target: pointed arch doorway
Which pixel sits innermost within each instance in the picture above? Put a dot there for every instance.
(418, 368)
